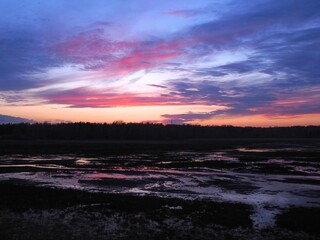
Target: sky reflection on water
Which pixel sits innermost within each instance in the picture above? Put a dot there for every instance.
(268, 182)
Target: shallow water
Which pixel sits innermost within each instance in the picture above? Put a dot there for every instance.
(270, 179)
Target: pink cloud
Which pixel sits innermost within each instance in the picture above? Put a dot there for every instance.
(183, 13)
(147, 57)
(82, 97)
(115, 58)
(290, 107)
(137, 61)
(297, 101)
(91, 46)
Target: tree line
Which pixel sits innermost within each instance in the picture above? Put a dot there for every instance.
(148, 131)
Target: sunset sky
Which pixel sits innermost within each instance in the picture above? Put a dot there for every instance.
(184, 61)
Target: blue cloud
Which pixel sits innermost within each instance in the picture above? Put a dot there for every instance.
(279, 41)
(5, 119)
(283, 38)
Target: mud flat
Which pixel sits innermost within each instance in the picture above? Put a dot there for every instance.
(28, 211)
(199, 189)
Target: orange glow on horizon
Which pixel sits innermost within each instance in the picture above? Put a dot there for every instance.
(265, 121)
(58, 113)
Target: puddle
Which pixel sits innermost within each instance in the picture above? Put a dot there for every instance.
(268, 185)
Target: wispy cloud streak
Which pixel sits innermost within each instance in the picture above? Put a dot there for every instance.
(257, 57)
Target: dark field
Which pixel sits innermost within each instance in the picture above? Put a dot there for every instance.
(191, 189)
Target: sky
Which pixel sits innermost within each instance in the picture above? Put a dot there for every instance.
(208, 62)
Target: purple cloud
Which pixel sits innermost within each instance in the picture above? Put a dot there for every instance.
(269, 56)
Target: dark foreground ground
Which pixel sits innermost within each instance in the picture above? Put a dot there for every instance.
(32, 210)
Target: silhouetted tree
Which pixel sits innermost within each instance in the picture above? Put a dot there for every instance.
(149, 131)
